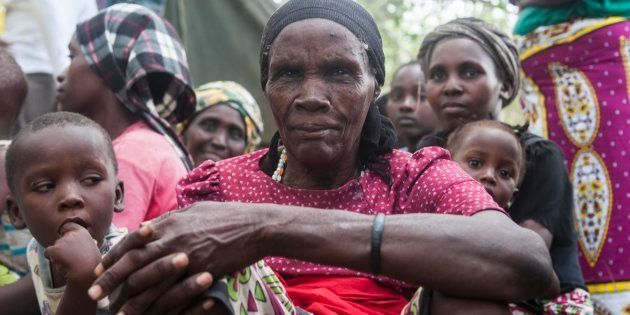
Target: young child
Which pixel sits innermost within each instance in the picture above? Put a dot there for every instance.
(491, 152)
(61, 172)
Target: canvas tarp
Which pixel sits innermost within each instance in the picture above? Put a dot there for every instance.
(222, 39)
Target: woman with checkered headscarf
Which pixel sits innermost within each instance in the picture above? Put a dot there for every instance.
(129, 73)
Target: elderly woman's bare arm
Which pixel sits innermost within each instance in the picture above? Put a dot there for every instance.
(485, 256)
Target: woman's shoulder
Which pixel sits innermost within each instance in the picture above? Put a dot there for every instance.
(205, 182)
(401, 161)
(138, 133)
(146, 156)
(247, 161)
(140, 144)
(408, 168)
(428, 181)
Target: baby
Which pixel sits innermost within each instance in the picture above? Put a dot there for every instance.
(491, 152)
(61, 173)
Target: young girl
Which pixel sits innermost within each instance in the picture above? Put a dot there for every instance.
(61, 173)
(472, 70)
(491, 152)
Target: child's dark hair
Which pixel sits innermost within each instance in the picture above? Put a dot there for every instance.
(455, 138)
(58, 119)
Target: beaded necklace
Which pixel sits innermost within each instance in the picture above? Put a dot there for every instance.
(282, 164)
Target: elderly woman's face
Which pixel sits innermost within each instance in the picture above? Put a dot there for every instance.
(320, 88)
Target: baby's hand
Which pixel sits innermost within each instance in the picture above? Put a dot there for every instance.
(75, 254)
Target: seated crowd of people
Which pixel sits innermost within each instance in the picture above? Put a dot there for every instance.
(145, 195)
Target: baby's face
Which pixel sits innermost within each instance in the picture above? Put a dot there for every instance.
(493, 157)
(65, 176)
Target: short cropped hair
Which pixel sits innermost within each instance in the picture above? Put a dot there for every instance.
(58, 119)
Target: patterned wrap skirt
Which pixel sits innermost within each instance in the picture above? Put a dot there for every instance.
(576, 92)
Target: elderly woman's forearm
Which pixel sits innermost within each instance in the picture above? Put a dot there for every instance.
(331, 237)
(460, 256)
(486, 257)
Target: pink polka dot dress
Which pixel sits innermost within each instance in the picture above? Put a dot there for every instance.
(424, 182)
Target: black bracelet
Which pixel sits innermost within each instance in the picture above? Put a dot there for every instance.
(377, 239)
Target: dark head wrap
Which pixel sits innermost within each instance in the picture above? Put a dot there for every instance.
(141, 59)
(345, 12)
(491, 39)
(378, 135)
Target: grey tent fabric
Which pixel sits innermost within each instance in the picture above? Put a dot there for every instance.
(222, 39)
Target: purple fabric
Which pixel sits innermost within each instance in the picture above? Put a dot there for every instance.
(583, 77)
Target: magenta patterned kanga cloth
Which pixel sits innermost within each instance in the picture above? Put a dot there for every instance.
(577, 93)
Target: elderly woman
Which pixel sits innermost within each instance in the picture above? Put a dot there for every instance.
(226, 123)
(330, 206)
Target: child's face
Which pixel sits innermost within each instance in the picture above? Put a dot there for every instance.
(65, 175)
(462, 83)
(407, 104)
(492, 157)
(78, 85)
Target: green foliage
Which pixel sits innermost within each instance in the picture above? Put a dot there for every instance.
(403, 23)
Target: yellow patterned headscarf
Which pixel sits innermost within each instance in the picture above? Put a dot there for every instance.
(235, 96)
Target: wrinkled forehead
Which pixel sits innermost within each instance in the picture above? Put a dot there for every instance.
(303, 32)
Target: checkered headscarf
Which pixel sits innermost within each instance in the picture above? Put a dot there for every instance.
(141, 59)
